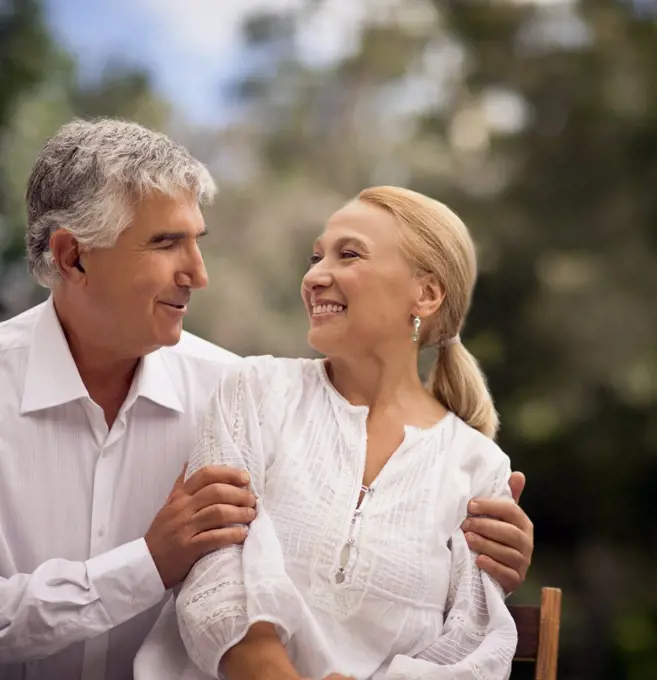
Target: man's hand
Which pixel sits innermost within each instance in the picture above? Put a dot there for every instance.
(503, 535)
(192, 521)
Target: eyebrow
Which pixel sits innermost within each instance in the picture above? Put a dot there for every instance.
(173, 236)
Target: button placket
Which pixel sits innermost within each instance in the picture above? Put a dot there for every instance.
(103, 489)
(100, 504)
(95, 650)
(348, 553)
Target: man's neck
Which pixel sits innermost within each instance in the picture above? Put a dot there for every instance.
(106, 373)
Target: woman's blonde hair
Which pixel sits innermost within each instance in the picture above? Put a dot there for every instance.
(437, 242)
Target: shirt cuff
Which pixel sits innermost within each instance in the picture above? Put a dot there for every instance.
(126, 580)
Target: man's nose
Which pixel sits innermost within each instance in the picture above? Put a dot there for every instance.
(193, 274)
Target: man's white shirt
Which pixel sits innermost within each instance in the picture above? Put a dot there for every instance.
(78, 588)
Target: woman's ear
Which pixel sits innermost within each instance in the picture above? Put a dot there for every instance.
(66, 253)
(431, 296)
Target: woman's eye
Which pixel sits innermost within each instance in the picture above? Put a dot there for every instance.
(344, 254)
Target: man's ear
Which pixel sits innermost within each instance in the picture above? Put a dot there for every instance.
(431, 296)
(66, 253)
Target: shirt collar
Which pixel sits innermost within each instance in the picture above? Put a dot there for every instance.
(153, 381)
(52, 378)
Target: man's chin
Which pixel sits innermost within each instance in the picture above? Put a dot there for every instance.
(171, 337)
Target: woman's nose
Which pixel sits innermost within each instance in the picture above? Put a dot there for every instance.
(318, 276)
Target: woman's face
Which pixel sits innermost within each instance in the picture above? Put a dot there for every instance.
(359, 291)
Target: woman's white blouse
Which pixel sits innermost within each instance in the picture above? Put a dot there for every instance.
(388, 590)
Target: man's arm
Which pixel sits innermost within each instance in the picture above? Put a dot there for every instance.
(503, 535)
(63, 601)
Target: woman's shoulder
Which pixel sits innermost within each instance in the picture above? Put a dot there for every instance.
(475, 453)
(264, 374)
(266, 366)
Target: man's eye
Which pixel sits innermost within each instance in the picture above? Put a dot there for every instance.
(314, 259)
(348, 253)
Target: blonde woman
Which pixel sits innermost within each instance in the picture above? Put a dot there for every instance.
(355, 564)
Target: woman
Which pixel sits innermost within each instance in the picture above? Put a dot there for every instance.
(355, 564)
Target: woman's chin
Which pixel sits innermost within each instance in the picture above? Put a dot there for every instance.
(324, 341)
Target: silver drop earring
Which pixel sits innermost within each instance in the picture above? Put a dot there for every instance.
(416, 328)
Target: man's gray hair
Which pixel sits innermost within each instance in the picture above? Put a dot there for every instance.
(87, 178)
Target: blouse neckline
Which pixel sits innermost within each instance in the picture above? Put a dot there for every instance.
(364, 410)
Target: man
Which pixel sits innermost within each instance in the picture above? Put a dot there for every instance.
(101, 395)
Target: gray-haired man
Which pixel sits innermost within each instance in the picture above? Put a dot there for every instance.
(101, 395)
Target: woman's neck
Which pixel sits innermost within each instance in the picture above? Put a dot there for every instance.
(392, 390)
(377, 383)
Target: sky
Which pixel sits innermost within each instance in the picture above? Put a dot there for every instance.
(188, 53)
(192, 47)
(189, 46)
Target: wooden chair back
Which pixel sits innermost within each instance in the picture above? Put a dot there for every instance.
(538, 633)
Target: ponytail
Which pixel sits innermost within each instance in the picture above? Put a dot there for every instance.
(437, 243)
(459, 384)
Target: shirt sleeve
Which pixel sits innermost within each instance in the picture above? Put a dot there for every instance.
(63, 602)
(232, 588)
(479, 636)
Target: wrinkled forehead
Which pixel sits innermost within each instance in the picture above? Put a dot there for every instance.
(157, 213)
(362, 223)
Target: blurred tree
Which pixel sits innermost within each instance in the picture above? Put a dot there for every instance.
(25, 51)
(27, 55)
(39, 91)
(570, 272)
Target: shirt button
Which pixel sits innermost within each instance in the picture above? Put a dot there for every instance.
(101, 531)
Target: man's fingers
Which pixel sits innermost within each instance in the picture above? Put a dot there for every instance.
(222, 494)
(178, 484)
(217, 516)
(500, 509)
(506, 577)
(506, 556)
(499, 532)
(212, 540)
(216, 474)
(517, 483)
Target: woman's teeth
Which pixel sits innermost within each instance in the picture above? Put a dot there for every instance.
(328, 309)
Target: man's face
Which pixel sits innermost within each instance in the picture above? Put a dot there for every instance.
(137, 291)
